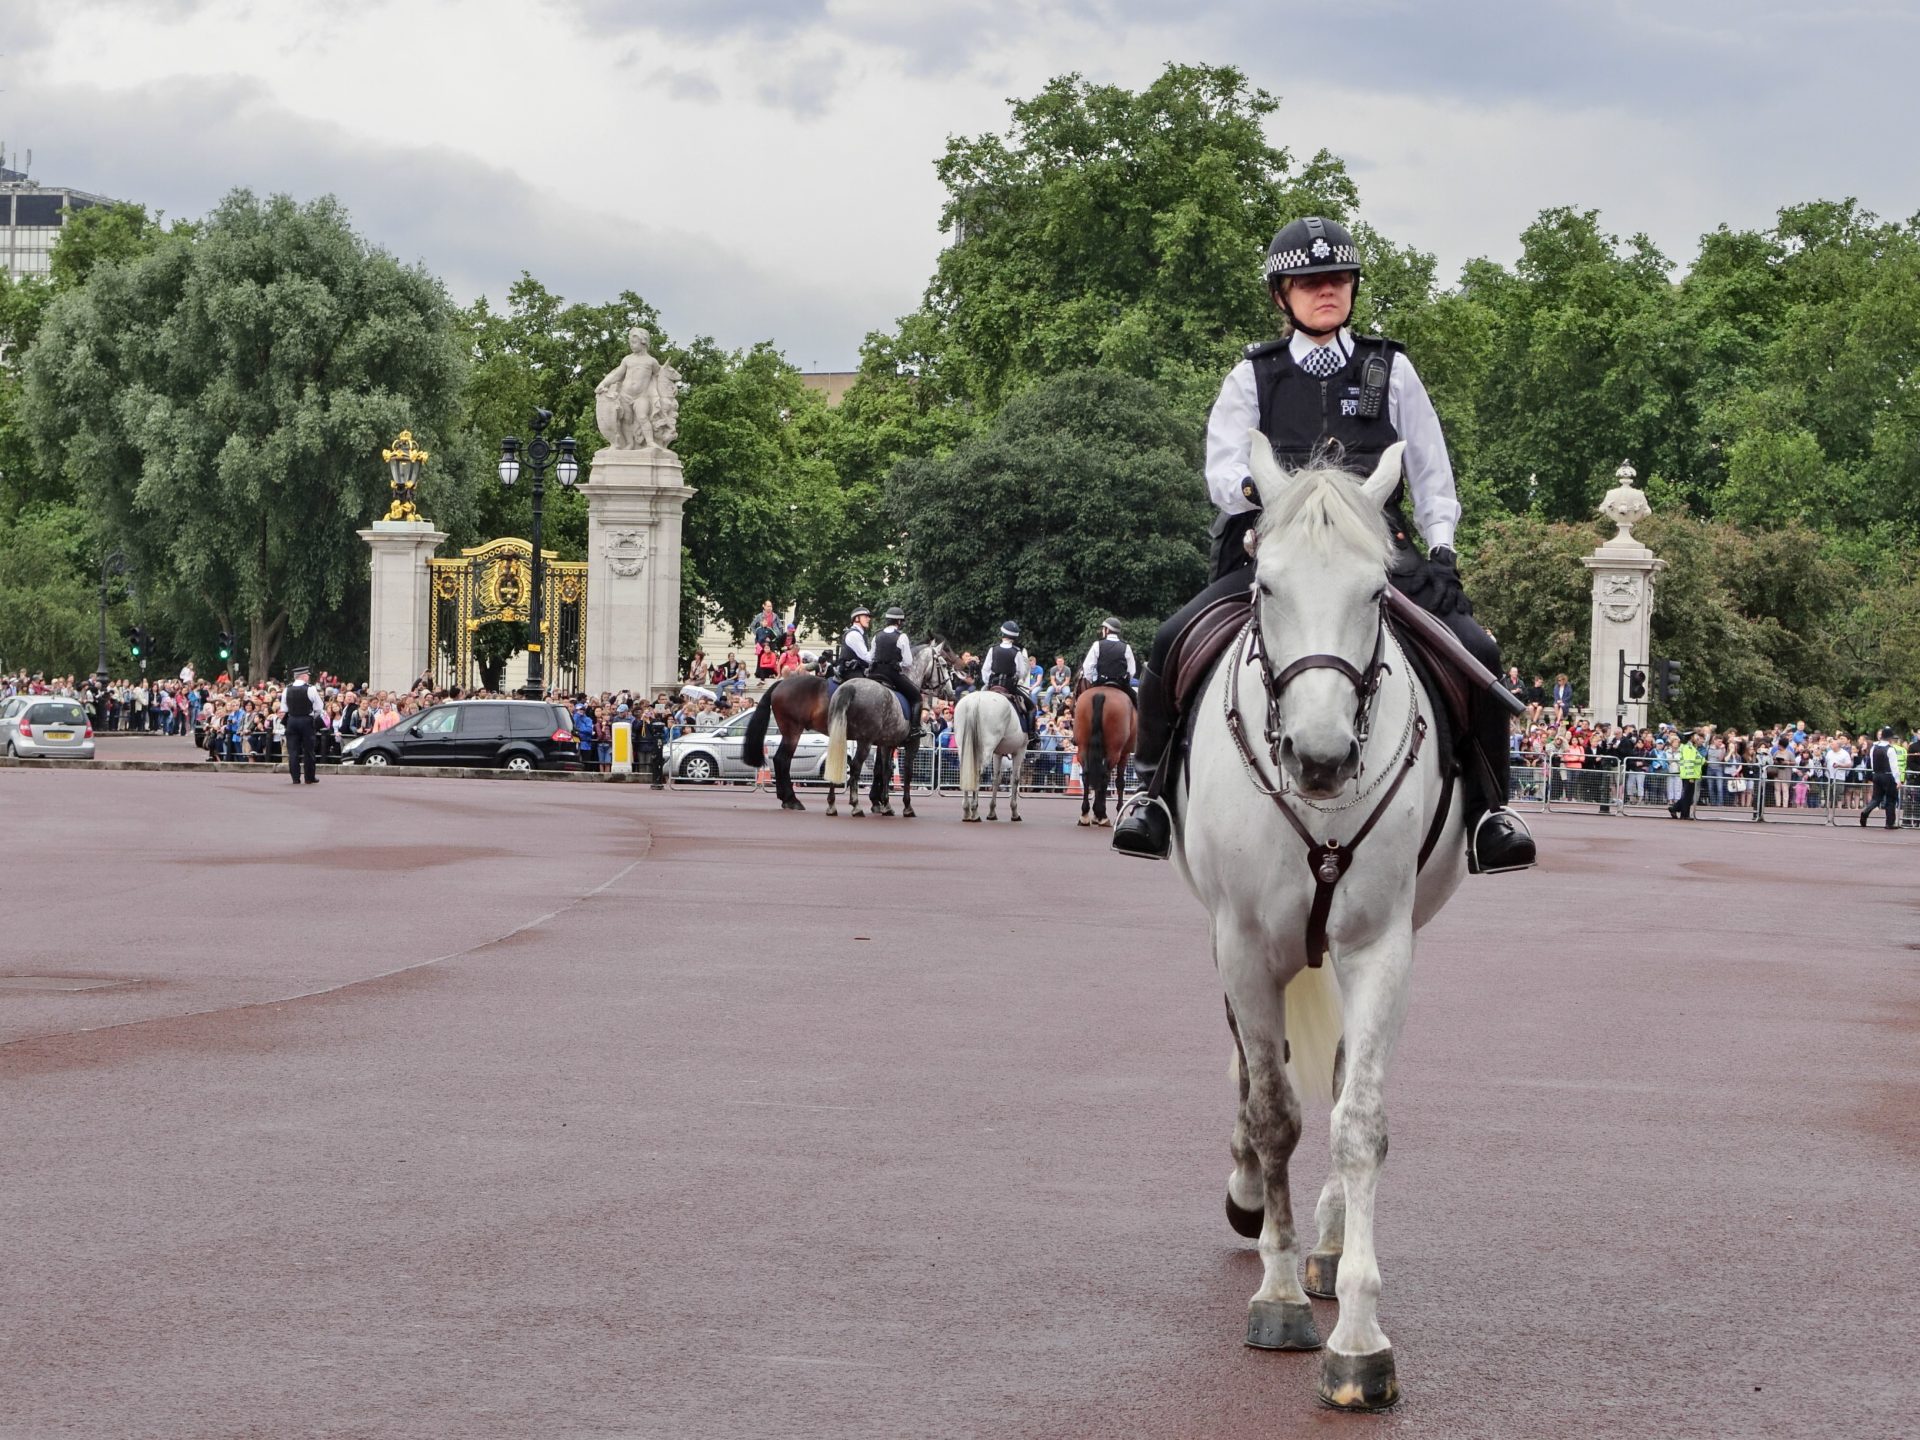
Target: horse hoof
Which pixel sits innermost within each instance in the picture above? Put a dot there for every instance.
(791, 805)
(1322, 1271)
(1359, 1382)
(969, 819)
(906, 813)
(1103, 824)
(1085, 821)
(1015, 820)
(1284, 1325)
(1247, 1222)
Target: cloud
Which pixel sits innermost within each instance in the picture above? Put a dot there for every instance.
(691, 85)
(179, 146)
(699, 19)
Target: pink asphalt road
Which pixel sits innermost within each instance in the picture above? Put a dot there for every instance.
(419, 1108)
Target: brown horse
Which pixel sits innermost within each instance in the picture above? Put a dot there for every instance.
(799, 703)
(1103, 732)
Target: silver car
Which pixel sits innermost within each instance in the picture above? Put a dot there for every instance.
(706, 755)
(45, 727)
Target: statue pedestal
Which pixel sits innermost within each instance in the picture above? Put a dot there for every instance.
(634, 504)
(1623, 571)
(398, 629)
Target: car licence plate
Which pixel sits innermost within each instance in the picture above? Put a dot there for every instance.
(59, 734)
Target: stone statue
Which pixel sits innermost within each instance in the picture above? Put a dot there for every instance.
(637, 406)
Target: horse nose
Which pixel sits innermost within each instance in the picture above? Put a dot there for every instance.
(1318, 774)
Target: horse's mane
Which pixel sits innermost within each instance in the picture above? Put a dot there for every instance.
(1323, 507)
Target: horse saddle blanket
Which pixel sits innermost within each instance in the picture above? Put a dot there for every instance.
(1454, 680)
(906, 710)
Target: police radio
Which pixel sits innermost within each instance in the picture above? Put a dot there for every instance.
(1373, 387)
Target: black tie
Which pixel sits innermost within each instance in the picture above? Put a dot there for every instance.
(1322, 361)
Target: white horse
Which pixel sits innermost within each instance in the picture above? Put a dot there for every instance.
(1313, 795)
(987, 729)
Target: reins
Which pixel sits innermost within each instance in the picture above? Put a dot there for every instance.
(1327, 861)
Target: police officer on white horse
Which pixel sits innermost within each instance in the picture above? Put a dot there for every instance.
(1005, 668)
(1110, 659)
(1325, 391)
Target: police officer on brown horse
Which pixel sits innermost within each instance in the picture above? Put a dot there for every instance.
(1324, 391)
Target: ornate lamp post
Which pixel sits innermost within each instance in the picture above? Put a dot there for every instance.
(539, 452)
(403, 465)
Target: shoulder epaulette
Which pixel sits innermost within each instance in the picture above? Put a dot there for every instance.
(1381, 342)
(1265, 347)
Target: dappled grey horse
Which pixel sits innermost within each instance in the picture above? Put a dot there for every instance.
(870, 714)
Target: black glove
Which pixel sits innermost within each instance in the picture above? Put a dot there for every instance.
(1444, 575)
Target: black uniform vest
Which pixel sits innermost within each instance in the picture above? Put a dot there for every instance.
(299, 702)
(886, 659)
(850, 663)
(1001, 665)
(1303, 414)
(1110, 663)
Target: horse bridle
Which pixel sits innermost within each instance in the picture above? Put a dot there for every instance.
(1366, 683)
(1327, 860)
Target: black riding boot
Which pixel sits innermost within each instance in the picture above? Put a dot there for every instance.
(1146, 829)
(1496, 838)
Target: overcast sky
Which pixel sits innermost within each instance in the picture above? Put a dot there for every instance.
(763, 169)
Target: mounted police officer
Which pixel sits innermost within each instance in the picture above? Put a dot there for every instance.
(1110, 659)
(856, 654)
(1323, 390)
(892, 654)
(1005, 668)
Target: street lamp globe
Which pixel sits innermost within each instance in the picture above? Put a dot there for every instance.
(509, 460)
(568, 465)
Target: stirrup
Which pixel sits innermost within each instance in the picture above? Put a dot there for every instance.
(1473, 845)
(1141, 799)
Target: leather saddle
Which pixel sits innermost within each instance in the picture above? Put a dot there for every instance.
(1452, 677)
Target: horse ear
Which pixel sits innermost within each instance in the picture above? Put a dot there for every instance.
(1386, 475)
(1268, 478)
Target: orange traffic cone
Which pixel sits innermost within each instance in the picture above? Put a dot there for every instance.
(763, 777)
(1073, 777)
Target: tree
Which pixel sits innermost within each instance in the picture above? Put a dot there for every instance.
(47, 610)
(1118, 230)
(221, 401)
(1084, 497)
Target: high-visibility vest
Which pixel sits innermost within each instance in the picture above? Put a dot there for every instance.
(1690, 763)
(1897, 757)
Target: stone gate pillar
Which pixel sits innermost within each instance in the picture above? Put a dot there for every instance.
(1623, 572)
(635, 498)
(398, 629)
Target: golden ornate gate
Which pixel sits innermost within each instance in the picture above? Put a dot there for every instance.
(494, 583)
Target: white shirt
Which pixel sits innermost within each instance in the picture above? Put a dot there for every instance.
(1090, 667)
(1436, 508)
(856, 641)
(1839, 761)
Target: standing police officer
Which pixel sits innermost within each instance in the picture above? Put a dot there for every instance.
(1884, 764)
(1109, 659)
(1325, 391)
(1006, 666)
(300, 704)
(855, 653)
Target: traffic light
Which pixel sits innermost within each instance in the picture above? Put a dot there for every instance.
(1668, 672)
(136, 640)
(226, 645)
(1636, 684)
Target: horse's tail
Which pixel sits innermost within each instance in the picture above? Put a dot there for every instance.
(966, 719)
(1095, 764)
(837, 736)
(753, 747)
(1313, 1028)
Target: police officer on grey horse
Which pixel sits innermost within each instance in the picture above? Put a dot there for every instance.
(300, 704)
(892, 654)
(1323, 390)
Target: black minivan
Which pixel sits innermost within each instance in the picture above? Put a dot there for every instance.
(502, 734)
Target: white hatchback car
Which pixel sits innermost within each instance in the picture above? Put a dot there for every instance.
(706, 755)
(40, 727)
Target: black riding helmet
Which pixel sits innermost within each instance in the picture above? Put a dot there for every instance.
(1310, 246)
